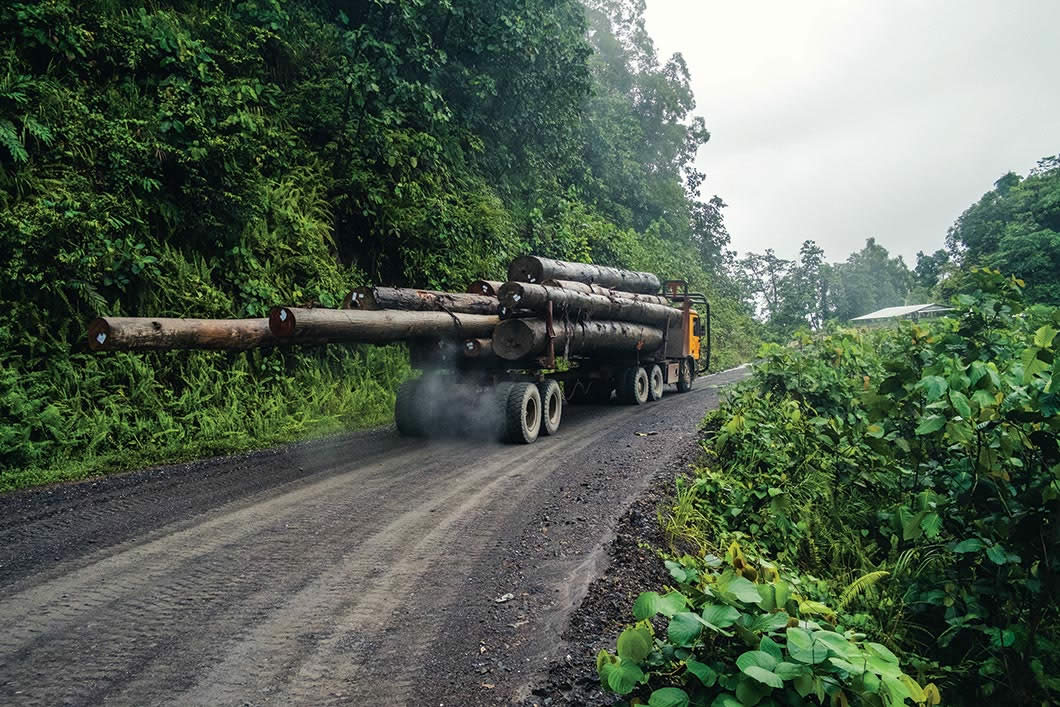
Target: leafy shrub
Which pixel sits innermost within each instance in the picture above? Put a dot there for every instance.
(912, 476)
(730, 641)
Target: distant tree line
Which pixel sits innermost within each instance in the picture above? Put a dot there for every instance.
(1014, 228)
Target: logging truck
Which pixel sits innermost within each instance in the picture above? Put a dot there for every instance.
(500, 359)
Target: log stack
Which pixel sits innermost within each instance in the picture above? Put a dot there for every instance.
(594, 310)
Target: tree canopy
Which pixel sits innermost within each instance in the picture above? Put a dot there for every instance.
(1015, 228)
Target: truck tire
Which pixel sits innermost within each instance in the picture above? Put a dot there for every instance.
(633, 389)
(655, 383)
(684, 376)
(522, 413)
(406, 410)
(551, 406)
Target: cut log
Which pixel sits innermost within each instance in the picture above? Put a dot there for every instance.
(608, 291)
(160, 334)
(376, 327)
(489, 288)
(375, 298)
(574, 303)
(478, 348)
(522, 338)
(530, 268)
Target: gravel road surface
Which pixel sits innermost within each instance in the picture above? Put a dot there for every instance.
(363, 569)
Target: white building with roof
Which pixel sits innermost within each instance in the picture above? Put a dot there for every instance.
(909, 311)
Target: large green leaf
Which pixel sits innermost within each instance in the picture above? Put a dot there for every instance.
(634, 643)
(998, 556)
(930, 423)
(750, 690)
(763, 676)
(679, 573)
(933, 386)
(672, 603)
(790, 671)
(703, 672)
(1033, 364)
(720, 615)
(684, 629)
(960, 403)
(883, 668)
(803, 648)
(771, 647)
(768, 623)
(852, 668)
(984, 399)
(804, 684)
(649, 604)
(726, 699)
(969, 545)
(645, 605)
(882, 651)
(837, 643)
(622, 677)
(743, 589)
(668, 697)
(932, 524)
(759, 658)
(1043, 338)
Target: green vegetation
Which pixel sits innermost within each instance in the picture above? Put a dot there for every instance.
(1015, 228)
(889, 502)
(215, 159)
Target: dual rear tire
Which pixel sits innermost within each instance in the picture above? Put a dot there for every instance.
(640, 384)
(634, 385)
(529, 409)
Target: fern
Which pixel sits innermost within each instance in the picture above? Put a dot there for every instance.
(41, 132)
(860, 586)
(9, 139)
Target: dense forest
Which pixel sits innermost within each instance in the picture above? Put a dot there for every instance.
(213, 160)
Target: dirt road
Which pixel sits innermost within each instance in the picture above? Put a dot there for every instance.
(365, 569)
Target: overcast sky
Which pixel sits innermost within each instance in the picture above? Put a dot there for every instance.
(837, 121)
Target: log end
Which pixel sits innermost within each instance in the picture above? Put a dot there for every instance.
(478, 348)
(99, 335)
(487, 288)
(360, 298)
(513, 339)
(281, 321)
(511, 295)
(526, 268)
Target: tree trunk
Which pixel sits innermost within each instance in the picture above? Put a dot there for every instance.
(376, 327)
(522, 338)
(375, 298)
(160, 334)
(489, 288)
(574, 303)
(607, 291)
(530, 268)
